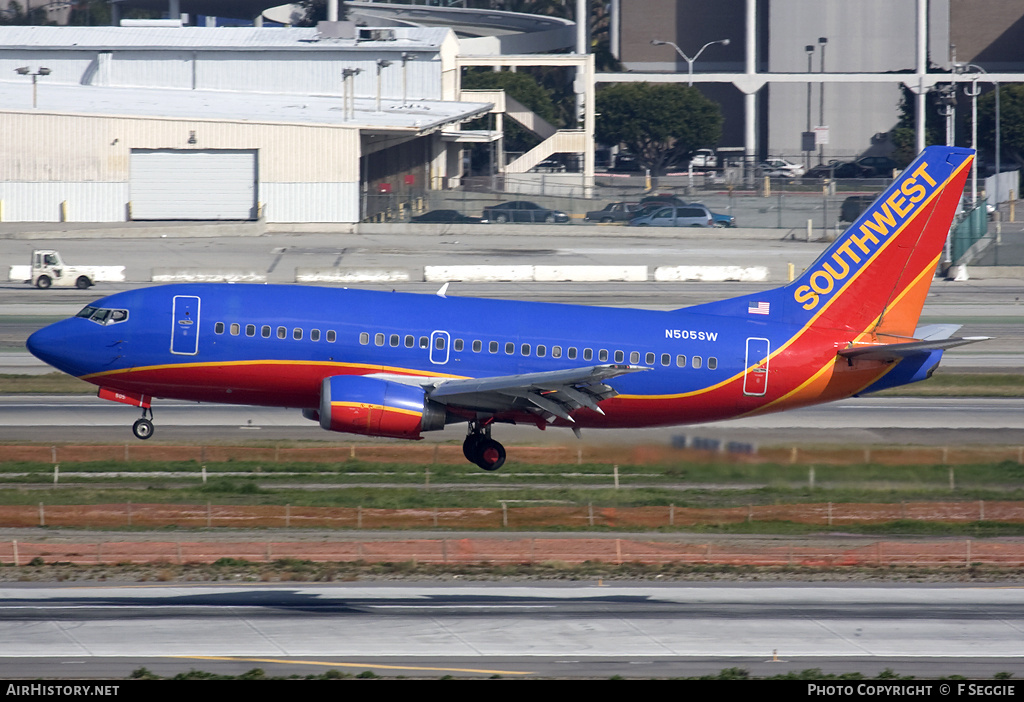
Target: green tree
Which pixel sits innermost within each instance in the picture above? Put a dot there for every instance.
(661, 124)
(904, 135)
(1011, 118)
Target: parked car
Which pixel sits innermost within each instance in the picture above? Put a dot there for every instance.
(446, 217)
(780, 168)
(688, 216)
(704, 158)
(878, 166)
(522, 211)
(720, 220)
(625, 162)
(662, 199)
(838, 169)
(854, 205)
(614, 212)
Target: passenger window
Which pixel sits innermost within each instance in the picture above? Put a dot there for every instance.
(378, 339)
(477, 346)
(572, 353)
(282, 333)
(458, 345)
(314, 335)
(712, 363)
(250, 330)
(424, 342)
(331, 336)
(410, 341)
(364, 338)
(510, 348)
(297, 334)
(556, 352)
(393, 341)
(439, 343)
(493, 347)
(681, 361)
(588, 354)
(218, 328)
(525, 348)
(696, 362)
(666, 359)
(619, 356)
(602, 355)
(235, 329)
(265, 331)
(649, 360)
(542, 351)
(634, 357)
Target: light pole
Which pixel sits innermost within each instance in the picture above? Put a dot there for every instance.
(973, 93)
(26, 71)
(348, 94)
(807, 145)
(406, 58)
(822, 41)
(381, 65)
(689, 61)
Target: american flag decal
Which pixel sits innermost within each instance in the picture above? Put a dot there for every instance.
(758, 308)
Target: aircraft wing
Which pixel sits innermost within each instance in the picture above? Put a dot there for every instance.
(895, 352)
(549, 394)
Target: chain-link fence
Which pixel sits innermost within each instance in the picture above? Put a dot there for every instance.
(769, 203)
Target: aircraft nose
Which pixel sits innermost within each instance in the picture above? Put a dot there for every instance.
(56, 345)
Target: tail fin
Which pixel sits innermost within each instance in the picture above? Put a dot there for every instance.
(875, 277)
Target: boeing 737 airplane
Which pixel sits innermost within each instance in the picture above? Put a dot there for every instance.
(396, 364)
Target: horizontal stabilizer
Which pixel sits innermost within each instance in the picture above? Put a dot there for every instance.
(894, 352)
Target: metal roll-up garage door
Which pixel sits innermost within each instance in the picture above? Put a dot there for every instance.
(187, 184)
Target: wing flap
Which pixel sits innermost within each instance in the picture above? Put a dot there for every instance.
(550, 394)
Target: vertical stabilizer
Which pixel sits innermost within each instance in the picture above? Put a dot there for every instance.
(875, 277)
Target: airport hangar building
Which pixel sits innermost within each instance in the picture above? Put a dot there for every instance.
(196, 123)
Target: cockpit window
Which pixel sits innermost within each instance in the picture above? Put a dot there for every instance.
(103, 316)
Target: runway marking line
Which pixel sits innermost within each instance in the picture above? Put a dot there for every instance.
(356, 665)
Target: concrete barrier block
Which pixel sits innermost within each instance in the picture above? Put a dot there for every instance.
(478, 274)
(586, 274)
(351, 275)
(714, 274)
(207, 275)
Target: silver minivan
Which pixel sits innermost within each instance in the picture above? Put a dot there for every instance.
(682, 216)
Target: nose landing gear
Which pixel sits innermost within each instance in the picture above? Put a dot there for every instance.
(481, 449)
(143, 428)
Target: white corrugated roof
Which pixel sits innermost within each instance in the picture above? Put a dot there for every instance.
(232, 106)
(209, 38)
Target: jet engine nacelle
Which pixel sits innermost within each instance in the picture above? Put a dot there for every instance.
(375, 407)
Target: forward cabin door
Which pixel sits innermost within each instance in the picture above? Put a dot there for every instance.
(755, 374)
(439, 343)
(185, 325)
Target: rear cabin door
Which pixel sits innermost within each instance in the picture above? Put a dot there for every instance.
(755, 375)
(185, 325)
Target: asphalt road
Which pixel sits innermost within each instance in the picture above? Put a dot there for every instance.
(479, 630)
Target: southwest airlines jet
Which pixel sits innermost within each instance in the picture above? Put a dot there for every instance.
(396, 364)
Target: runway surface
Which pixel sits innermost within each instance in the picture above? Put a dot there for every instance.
(938, 421)
(579, 629)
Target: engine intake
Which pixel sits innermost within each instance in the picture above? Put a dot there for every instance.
(374, 407)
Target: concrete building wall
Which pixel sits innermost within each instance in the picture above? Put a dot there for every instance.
(306, 173)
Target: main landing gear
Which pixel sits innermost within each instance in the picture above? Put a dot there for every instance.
(481, 449)
(143, 428)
